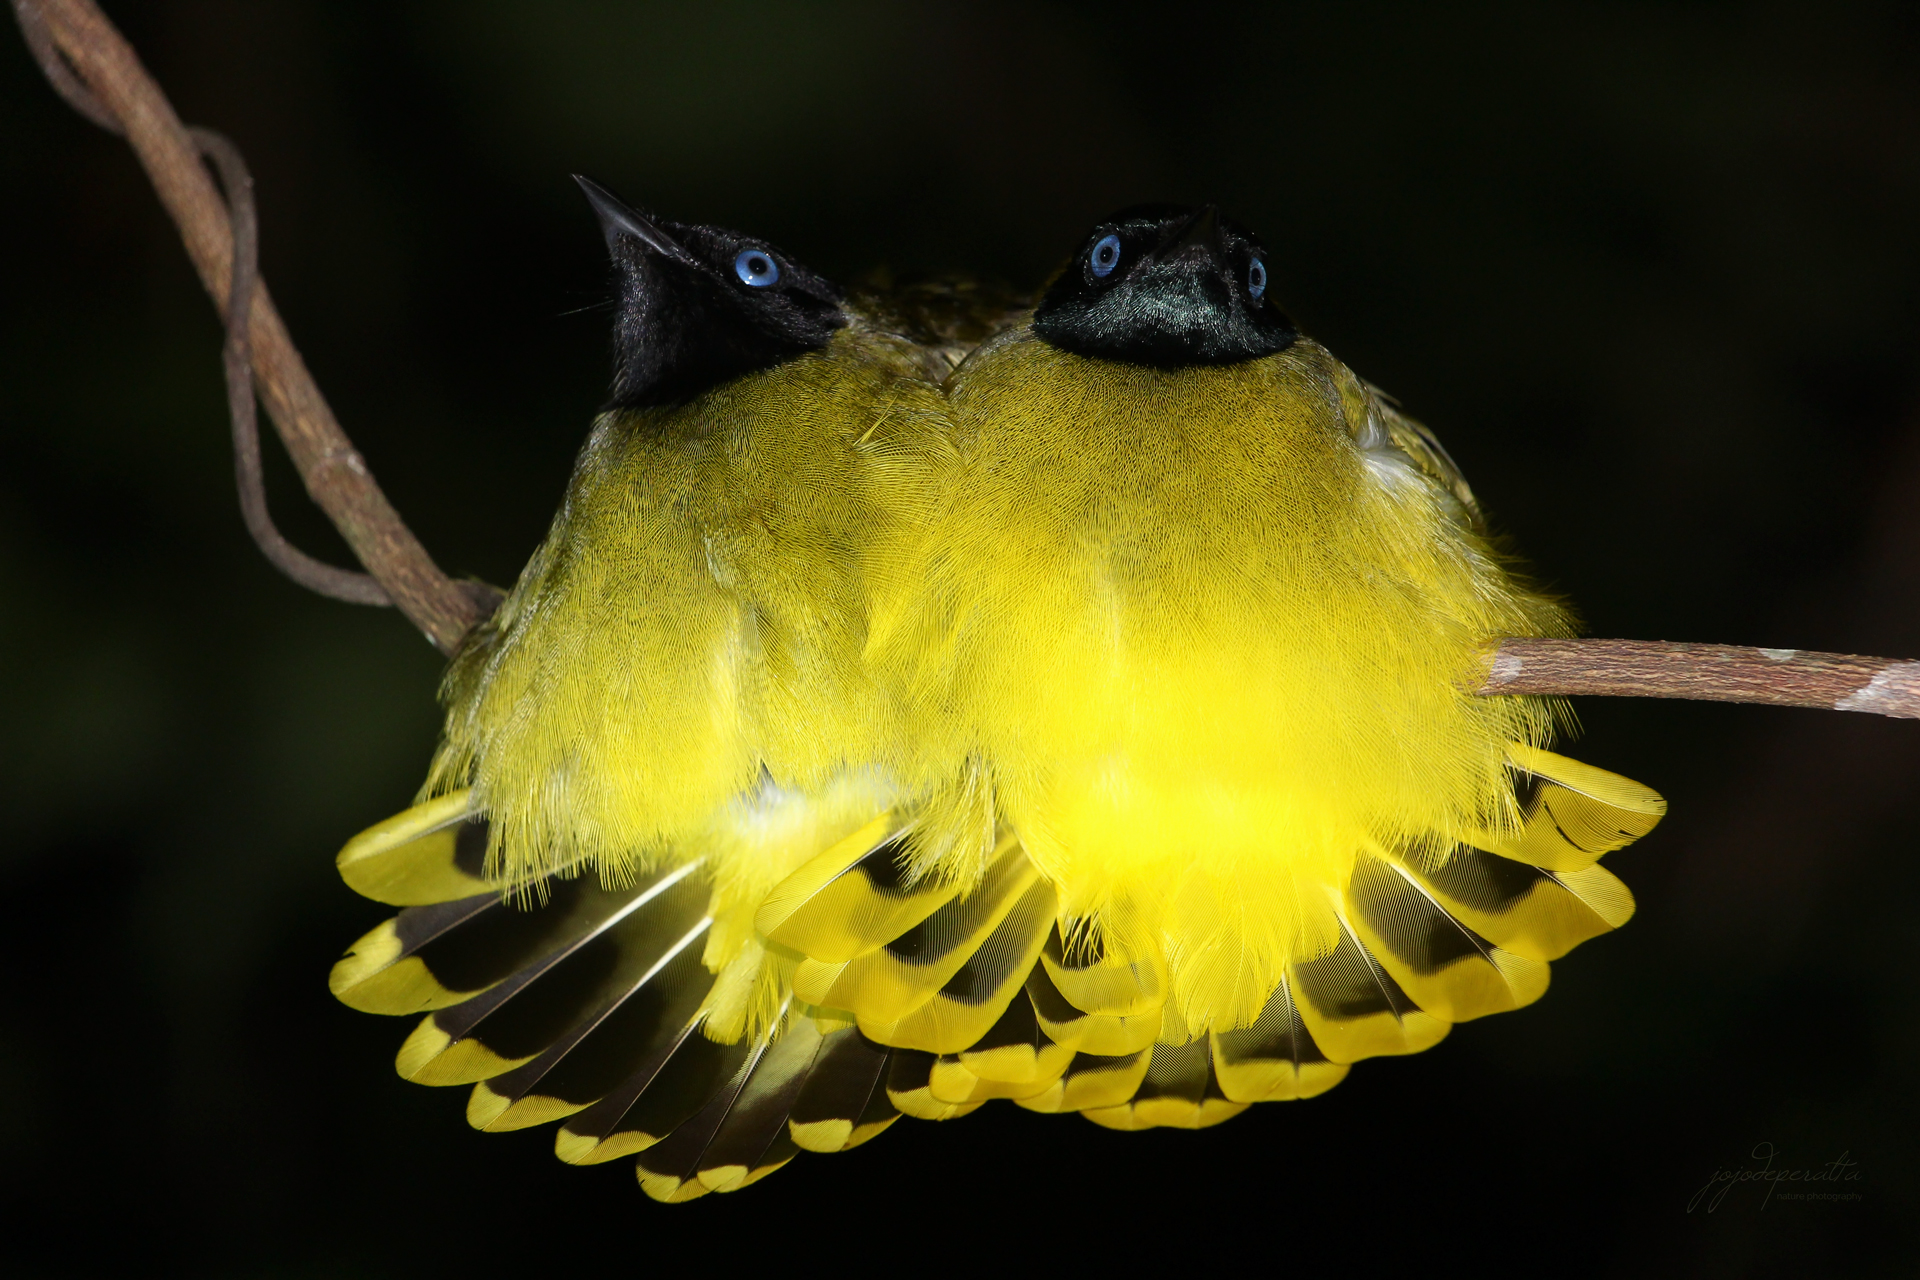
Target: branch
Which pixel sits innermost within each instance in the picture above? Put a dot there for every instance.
(339, 584)
(1706, 672)
(95, 69)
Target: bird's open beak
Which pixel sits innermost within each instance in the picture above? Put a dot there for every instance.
(618, 220)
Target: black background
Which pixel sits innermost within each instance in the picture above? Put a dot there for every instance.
(1653, 272)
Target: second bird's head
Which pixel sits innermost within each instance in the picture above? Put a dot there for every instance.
(1165, 285)
(700, 306)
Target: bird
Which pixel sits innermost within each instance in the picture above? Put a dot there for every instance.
(921, 701)
(1194, 638)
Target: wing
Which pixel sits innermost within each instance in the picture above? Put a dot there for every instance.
(1375, 419)
(1418, 442)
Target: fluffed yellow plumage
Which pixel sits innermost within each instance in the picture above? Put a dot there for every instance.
(696, 619)
(1208, 648)
(1092, 729)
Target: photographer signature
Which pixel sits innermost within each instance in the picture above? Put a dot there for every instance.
(1827, 1182)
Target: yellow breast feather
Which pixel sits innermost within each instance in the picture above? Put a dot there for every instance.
(1210, 649)
(696, 617)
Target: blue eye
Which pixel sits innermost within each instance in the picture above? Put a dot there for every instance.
(756, 267)
(1257, 278)
(1105, 256)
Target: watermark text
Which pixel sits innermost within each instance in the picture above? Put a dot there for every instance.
(1830, 1182)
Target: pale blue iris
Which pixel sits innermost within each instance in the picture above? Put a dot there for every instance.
(756, 267)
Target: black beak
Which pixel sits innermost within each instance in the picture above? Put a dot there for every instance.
(1202, 230)
(619, 220)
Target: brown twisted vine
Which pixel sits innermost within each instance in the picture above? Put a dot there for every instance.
(91, 66)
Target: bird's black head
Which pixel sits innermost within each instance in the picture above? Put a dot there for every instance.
(701, 305)
(1165, 285)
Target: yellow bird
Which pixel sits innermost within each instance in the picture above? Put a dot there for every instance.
(1197, 625)
(1092, 731)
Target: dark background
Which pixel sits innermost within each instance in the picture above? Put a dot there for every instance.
(1653, 272)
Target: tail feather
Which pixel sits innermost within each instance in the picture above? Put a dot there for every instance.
(1275, 1059)
(438, 955)
(1573, 814)
(951, 1081)
(910, 1088)
(1098, 981)
(433, 852)
(927, 998)
(834, 1103)
(1353, 1007)
(593, 1058)
(669, 1169)
(723, 1143)
(1015, 1049)
(390, 969)
(1100, 1034)
(1179, 1091)
(1093, 1082)
(755, 1138)
(970, 1002)
(852, 898)
(1532, 912)
(655, 1100)
(1445, 967)
(520, 1017)
(876, 1118)
(889, 982)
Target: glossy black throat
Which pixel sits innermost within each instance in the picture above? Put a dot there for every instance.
(1177, 289)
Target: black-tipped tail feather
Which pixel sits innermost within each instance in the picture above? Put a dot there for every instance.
(582, 1004)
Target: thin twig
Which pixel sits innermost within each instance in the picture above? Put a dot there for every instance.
(95, 69)
(340, 584)
(1706, 672)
